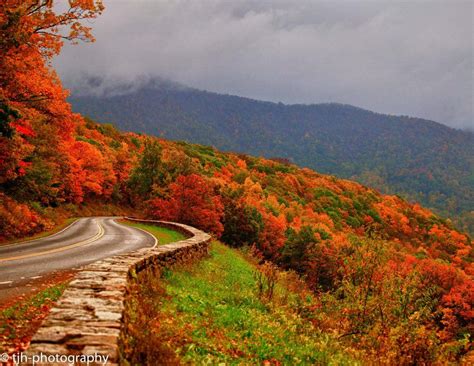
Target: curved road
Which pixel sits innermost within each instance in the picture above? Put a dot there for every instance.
(84, 241)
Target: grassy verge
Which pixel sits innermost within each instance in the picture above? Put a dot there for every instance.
(20, 321)
(163, 235)
(215, 313)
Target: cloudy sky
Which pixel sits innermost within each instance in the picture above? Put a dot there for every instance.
(412, 58)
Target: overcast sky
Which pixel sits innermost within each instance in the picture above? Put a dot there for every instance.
(412, 58)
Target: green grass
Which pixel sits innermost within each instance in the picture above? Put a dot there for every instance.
(19, 321)
(211, 314)
(163, 235)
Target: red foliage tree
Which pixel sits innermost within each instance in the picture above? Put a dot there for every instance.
(31, 33)
(192, 201)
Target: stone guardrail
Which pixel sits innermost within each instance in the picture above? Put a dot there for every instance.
(87, 319)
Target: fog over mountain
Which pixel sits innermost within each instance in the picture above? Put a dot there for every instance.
(391, 57)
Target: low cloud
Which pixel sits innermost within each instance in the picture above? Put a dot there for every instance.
(400, 58)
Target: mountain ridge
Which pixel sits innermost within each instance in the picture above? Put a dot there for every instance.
(389, 277)
(420, 159)
(97, 86)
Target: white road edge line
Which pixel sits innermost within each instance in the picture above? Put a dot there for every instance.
(146, 232)
(44, 237)
(5, 282)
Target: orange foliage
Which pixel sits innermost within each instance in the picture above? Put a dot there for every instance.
(192, 201)
(49, 157)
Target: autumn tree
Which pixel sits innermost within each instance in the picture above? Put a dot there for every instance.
(295, 252)
(31, 33)
(148, 174)
(192, 200)
(272, 238)
(242, 223)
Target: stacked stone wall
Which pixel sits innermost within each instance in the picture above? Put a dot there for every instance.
(89, 317)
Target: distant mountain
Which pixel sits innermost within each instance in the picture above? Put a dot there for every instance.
(419, 159)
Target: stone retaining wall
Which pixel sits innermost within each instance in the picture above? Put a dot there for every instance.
(87, 319)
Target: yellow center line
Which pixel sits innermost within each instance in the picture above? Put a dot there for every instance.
(57, 250)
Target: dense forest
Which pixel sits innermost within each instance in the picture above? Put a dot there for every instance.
(393, 280)
(421, 160)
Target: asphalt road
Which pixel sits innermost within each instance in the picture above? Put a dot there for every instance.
(84, 241)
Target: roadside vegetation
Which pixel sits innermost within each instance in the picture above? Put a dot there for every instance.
(228, 310)
(390, 278)
(20, 321)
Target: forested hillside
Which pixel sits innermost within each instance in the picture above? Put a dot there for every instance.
(390, 277)
(421, 160)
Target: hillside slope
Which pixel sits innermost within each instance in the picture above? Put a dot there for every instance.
(392, 277)
(419, 159)
(201, 322)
